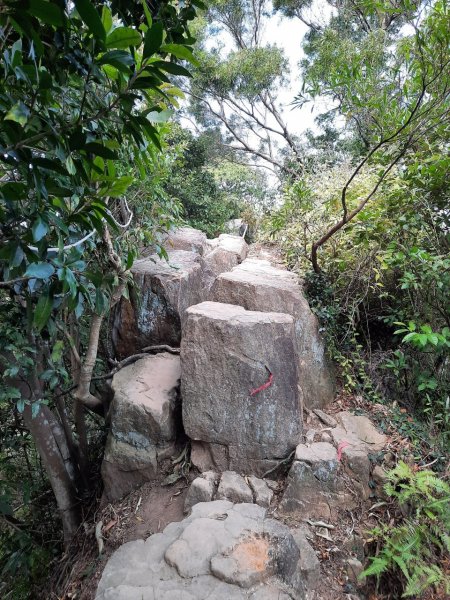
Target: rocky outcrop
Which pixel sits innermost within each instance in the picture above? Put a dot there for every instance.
(186, 238)
(259, 286)
(145, 421)
(239, 387)
(162, 292)
(221, 551)
(316, 485)
(314, 488)
(228, 486)
(164, 289)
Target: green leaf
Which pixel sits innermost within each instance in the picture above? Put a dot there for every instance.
(40, 270)
(148, 16)
(172, 68)
(13, 190)
(39, 229)
(123, 37)
(47, 12)
(180, 52)
(116, 187)
(153, 40)
(90, 16)
(18, 113)
(107, 20)
(119, 59)
(100, 150)
(42, 311)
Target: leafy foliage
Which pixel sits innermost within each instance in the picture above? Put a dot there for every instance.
(414, 547)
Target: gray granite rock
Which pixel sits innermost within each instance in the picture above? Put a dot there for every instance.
(186, 238)
(200, 490)
(162, 292)
(262, 494)
(233, 487)
(220, 552)
(258, 286)
(227, 352)
(314, 488)
(145, 418)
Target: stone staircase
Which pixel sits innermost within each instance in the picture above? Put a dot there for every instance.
(251, 359)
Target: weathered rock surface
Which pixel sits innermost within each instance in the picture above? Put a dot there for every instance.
(234, 244)
(233, 487)
(226, 352)
(156, 309)
(258, 286)
(359, 437)
(219, 260)
(186, 238)
(314, 488)
(145, 420)
(262, 494)
(359, 432)
(220, 552)
(202, 489)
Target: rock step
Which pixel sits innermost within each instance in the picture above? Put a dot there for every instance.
(145, 422)
(228, 486)
(259, 286)
(241, 405)
(221, 551)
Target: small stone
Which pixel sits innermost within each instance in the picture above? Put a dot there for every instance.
(326, 437)
(310, 435)
(200, 490)
(354, 569)
(262, 493)
(233, 487)
(357, 464)
(317, 452)
(325, 418)
(379, 475)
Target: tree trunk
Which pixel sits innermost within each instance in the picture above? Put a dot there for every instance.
(52, 447)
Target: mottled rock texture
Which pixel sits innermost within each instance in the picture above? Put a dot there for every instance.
(314, 488)
(145, 421)
(258, 286)
(226, 353)
(220, 552)
(186, 238)
(162, 292)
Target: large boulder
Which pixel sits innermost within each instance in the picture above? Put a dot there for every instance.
(259, 286)
(145, 422)
(235, 244)
(227, 355)
(221, 551)
(186, 238)
(162, 292)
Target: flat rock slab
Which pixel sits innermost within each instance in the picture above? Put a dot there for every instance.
(359, 432)
(220, 552)
(158, 302)
(259, 286)
(186, 238)
(145, 420)
(226, 353)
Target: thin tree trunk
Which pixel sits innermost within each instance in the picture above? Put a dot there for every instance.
(54, 452)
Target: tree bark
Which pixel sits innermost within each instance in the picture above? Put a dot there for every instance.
(54, 452)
